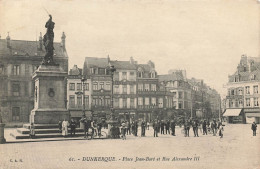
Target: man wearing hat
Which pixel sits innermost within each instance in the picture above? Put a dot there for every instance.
(254, 128)
(123, 131)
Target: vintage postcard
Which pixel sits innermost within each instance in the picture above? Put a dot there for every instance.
(133, 84)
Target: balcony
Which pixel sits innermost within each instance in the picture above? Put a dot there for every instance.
(149, 92)
(147, 107)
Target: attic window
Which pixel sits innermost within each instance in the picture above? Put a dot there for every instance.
(15, 53)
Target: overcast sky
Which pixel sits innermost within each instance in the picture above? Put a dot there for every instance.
(205, 37)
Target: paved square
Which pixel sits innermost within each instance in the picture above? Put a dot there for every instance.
(238, 149)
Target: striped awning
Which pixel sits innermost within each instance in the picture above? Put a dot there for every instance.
(232, 112)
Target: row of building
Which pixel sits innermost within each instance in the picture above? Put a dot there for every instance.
(138, 91)
(242, 100)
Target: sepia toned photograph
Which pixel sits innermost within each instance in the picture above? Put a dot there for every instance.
(129, 84)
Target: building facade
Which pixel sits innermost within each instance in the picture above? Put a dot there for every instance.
(18, 61)
(78, 92)
(242, 100)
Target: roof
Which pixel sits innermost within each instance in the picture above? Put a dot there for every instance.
(169, 77)
(96, 62)
(22, 47)
(146, 67)
(123, 65)
(75, 71)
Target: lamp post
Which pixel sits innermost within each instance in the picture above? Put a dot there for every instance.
(83, 95)
(112, 120)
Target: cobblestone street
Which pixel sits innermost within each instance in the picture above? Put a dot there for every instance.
(238, 149)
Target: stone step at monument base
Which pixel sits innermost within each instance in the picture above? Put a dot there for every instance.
(44, 131)
(17, 135)
(41, 126)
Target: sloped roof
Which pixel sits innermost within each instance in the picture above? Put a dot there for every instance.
(123, 65)
(146, 67)
(169, 77)
(22, 47)
(96, 62)
(75, 71)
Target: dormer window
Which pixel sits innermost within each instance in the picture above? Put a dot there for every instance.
(253, 77)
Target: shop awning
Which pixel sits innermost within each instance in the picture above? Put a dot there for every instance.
(232, 112)
(253, 114)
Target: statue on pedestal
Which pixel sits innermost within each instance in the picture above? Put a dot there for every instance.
(48, 43)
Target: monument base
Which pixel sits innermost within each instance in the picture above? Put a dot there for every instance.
(52, 116)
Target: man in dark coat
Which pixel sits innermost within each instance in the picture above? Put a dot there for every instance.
(167, 127)
(136, 128)
(162, 127)
(173, 127)
(155, 128)
(72, 127)
(195, 128)
(143, 129)
(254, 128)
(204, 127)
(214, 127)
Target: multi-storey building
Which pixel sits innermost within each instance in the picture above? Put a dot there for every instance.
(150, 100)
(124, 89)
(98, 71)
(178, 93)
(242, 100)
(18, 61)
(77, 87)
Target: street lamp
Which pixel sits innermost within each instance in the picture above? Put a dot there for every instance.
(112, 120)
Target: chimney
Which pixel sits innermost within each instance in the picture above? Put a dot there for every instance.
(132, 60)
(40, 41)
(108, 58)
(8, 41)
(63, 37)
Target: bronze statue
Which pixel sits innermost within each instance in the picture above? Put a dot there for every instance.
(48, 43)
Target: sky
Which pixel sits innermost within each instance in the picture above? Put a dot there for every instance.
(204, 37)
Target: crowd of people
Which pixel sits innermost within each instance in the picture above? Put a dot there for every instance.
(123, 128)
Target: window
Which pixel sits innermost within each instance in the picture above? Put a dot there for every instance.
(132, 73)
(240, 103)
(247, 89)
(108, 87)
(152, 75)
(180, 95)
(153, 101)
(132, 103)
(16, 113)
(124, 89)
(255, 89)
(146, 87)
(240, 92)
(16, 70)
(140, 87)
(79, 100)
(116, 102)
(124, 76)
(86, 86)
(86, 101)
(153, 87)
(256, 104)
(101, 102)
(95, 101)
(132, 89)
(160, 102)
(101, 85)
(116, 76)
(248, 102)
(140, 101)
(174, 95)
(72, 101)
(253, 77)
(124, 103)
(107, 102)
(72, 86)
(79, 86)
(102, 71)
(146, 101)
(232, 92)
(180, 105)
(16, 89)
(116, 89)
(140, 74)
(95, 86)
(2, 68)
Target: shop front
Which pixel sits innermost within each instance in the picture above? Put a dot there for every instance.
(252, 115)
(235, 115)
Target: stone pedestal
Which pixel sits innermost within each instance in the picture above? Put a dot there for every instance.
(2, 133)
(49, 101)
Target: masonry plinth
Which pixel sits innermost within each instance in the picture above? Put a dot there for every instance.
(49, 101)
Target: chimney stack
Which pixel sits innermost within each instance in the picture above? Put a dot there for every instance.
(40, 41)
